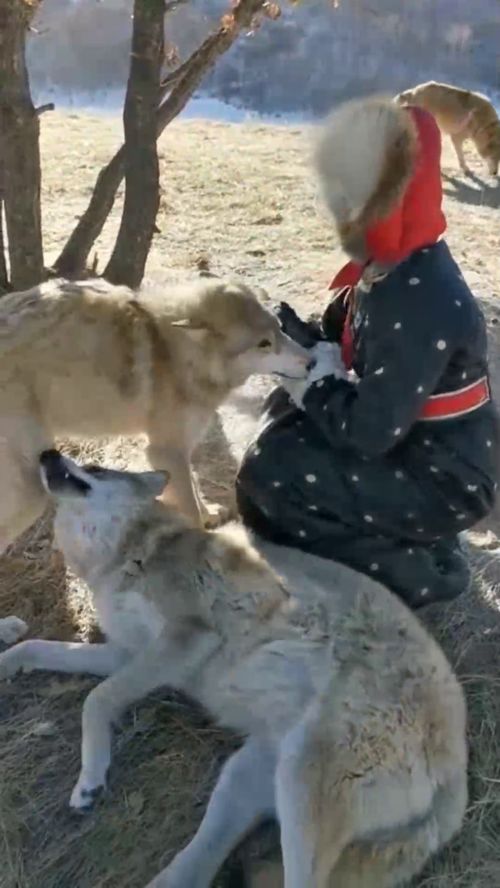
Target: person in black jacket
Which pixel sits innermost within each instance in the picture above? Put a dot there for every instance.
(382, 470)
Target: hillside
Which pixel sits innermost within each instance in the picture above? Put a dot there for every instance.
(312, 56)
(242, 198)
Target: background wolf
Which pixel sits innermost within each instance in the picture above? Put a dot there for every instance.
(461, 114)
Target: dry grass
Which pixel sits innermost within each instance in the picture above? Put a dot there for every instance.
(240, 198)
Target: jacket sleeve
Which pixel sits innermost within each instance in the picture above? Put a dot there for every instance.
(334, 316)
(406, 353)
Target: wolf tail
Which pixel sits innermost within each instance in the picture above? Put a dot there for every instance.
(355, 814)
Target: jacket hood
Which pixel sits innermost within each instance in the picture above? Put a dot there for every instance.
(379, 169)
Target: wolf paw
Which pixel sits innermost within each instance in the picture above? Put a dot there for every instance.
(213, 515)
(85, 793)
(10, 663)
(12, 629)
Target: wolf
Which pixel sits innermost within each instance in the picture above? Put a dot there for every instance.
(460, 114)
(353, 718)
(92, 359)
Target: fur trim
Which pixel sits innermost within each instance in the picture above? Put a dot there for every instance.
(365, 159)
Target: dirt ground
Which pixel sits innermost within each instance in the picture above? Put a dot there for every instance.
(243, 198)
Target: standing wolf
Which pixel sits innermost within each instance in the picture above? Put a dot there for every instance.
(91, 359)
(461, 114)
(355, 722)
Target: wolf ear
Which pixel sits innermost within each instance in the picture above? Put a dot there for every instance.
(155, 482)
(195, 331)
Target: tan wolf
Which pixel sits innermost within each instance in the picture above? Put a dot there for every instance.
(91, 359)
(353, 718)
(460, 114)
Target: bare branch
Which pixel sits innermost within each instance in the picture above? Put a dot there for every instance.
(171, 79)
(39, 32)
(186, 79)
(43, 108)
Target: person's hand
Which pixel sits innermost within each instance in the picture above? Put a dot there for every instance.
(328, 362)
(306, 333)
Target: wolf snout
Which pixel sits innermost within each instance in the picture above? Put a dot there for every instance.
(50, 459)
(52, 468)
(60, 475)
(311, 364)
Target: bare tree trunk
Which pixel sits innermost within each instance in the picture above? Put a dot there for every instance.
(74, 256)
(4, 277)
(20, 149)
(142, 169)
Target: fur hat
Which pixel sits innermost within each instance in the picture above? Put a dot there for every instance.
(379, 168)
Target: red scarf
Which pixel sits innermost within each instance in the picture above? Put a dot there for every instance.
(417, 221)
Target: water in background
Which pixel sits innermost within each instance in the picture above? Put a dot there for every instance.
(201, 107)
(110, 101)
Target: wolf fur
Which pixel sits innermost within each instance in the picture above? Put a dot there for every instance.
(462, 115)
(353, 718)
(364, 158)
(91, 359)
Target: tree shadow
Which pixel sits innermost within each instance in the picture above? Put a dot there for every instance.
(473, 191)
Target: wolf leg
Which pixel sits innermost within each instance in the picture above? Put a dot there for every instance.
(458, 143)
(243, 796)
(169, 661)
(181, 490)
(23, 499)
(60, 656)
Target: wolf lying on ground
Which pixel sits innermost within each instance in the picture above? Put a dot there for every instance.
(355, 722)
(460, 114)
(91, 359)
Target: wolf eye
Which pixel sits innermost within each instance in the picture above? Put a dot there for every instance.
(264, 343)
